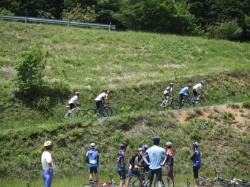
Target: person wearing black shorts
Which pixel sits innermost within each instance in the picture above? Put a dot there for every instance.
(196, 158)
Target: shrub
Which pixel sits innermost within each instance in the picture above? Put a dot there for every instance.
(30, 67)
(246, 104)
(225, 30)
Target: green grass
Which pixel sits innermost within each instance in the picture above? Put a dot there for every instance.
(137, 67)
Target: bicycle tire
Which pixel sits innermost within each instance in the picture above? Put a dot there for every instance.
(161, 106)
(91, 112)
(87, 185)
(106, 112)
(80, 113)
(133, 181)
(175, 104)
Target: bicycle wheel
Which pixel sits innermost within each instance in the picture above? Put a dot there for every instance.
(80, 113)
(132, 181)
(106, 112)
(160, 106)
(167, 182)
(87, 185)
(175, 104)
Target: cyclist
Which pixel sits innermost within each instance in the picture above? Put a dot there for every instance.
(196, 158)
(184, 92)
(155, 154)
(121, 162)
(92, 158)
(197, 90)
(136, 162)
(103, 97)
(168, 91)
(73, 102)
(170, 160)
(146, 166)
(47, 164)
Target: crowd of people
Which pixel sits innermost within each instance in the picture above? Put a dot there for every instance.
(149, 159)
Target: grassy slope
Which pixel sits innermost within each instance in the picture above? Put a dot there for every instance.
(137, 67)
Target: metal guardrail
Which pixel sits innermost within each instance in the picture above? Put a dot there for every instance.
(60, 22)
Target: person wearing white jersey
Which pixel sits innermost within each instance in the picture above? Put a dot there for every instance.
(197, 89)
(168, 91)
(103, 97)
(47, 164)
(73, 102)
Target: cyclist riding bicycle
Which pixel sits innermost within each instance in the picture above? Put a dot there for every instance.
(73, 102)
(168, 91)
(136, 162)
(103, 97)
(92, 158)
(197, 90)
(170, 160)
(184, 92)
(155, 154)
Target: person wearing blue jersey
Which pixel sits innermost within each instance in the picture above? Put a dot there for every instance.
(184, 93)
(196, 158)
(122, 160)
(153, 157)
(92, 158)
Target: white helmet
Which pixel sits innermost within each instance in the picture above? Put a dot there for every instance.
(92, 145)
(195, 144)
(169, 144)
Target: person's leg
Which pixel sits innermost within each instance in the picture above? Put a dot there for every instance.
(96, 174)
(47, 177)
(122, 177)
(158, 177)
(90, 170)
(196, 176)
(151, 177)
(170, 172)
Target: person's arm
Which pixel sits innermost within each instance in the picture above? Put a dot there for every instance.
(87, 158)
(145, 158)
(132, 160)
(193, 156)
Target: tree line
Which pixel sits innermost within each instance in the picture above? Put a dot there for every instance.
(220, 19)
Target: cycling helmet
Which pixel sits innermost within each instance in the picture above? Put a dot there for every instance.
(189, 85)
(169, 144)
(123, 144)
(145, 146)
(141, 149)
(202, 82)
(77, 93)
(156, 138)
(48, 144)
(171, 84)
(92, 145)
(195, 144)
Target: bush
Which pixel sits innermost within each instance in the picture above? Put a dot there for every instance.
(225, 30)
(30, 67)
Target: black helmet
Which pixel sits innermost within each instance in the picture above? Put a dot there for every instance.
(123, 144)
(156, 138)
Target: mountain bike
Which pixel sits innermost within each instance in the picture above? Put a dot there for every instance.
(238, 182)
(109, 183)
(141, 181)
(165, 104)
(187, 101)
(201, 99)
(100, 112)
(78, 112)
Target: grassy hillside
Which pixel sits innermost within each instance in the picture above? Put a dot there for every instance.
(136, 67)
